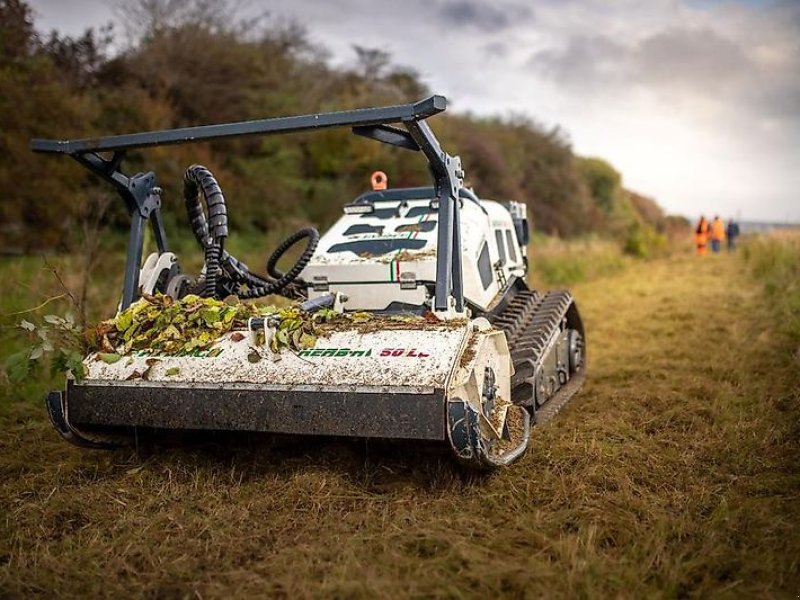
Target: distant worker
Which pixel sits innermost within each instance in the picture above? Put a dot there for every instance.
(701, 236)
(732, 232)
(717, 234)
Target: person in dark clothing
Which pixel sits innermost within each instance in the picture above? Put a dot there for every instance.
(732, 232)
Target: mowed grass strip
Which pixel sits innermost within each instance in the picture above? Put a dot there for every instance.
(674, 473)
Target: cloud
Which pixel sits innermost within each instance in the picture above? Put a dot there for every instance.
(495, 50)
(696, 59)
(679, 64)
(485, 17)
(585, 62)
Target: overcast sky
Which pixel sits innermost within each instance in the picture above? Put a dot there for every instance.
(696, 102)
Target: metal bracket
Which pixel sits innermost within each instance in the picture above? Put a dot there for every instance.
(142, 198)
(154, 266)
(388, 135)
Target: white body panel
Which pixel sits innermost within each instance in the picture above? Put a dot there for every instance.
(367, 256)
(389, 360)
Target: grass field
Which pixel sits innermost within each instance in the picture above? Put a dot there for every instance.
(674, 473)
(554, 261)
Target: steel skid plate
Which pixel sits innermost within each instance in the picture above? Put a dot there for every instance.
(248, 408)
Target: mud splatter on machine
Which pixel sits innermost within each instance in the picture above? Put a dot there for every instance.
(485, 358)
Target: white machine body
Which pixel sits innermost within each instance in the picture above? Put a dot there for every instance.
(385, 259)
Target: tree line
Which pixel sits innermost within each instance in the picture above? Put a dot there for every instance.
(192, 62)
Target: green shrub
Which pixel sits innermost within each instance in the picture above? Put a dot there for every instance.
(642, 241)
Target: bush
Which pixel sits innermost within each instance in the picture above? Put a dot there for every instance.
(642, 241)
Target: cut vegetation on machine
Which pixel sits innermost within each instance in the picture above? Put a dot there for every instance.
(413, 318)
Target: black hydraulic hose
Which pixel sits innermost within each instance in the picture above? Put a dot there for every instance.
(212, 231)
(199, 179)
(257, 289)
(212, 268)
(272, 263)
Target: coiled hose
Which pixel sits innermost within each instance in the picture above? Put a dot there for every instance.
(211, 232)
(222, 270)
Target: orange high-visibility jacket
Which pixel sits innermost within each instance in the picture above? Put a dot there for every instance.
(701, 233)
(717, 230)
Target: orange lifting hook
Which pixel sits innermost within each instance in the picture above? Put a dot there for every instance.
(379, 180)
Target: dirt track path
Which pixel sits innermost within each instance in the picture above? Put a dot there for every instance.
(673, 472)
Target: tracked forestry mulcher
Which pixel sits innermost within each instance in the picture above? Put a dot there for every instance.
(451, 344)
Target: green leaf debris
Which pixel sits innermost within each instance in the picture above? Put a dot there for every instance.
(159, 323)
(166, 326)
(59, 338)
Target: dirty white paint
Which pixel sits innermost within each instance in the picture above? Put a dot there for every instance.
(391, 361)
(488, 350)
(373, 282)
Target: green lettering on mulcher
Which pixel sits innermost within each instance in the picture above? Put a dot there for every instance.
(334, 352)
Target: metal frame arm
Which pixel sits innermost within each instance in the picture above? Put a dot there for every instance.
(448, 179)
(363, 117)
(142, 195)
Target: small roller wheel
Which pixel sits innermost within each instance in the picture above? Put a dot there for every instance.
(575, 351)
(540, 394)
(179, 285)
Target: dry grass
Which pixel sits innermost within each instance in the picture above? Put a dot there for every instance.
(558, 262)
(775, 261)
(674, 473)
